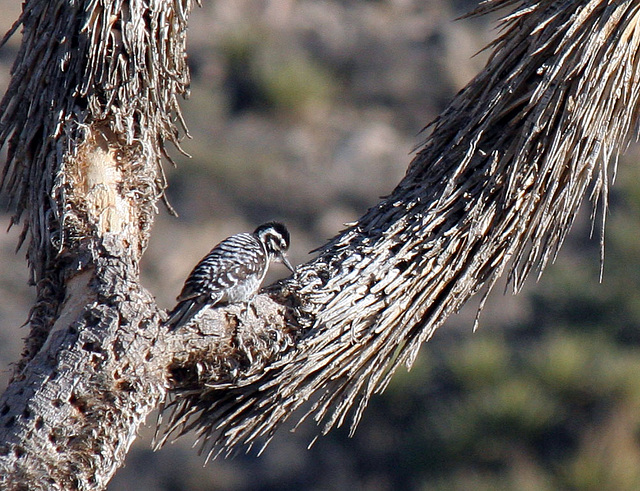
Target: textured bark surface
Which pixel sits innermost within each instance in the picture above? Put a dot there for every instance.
(68, 418)
(493, 190)
(91, 102)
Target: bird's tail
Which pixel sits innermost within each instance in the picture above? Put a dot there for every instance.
(183, 313)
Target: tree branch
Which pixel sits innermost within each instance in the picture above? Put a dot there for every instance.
(494, 189)
(91, 103)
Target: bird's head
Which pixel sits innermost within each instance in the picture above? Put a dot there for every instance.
(276, 240)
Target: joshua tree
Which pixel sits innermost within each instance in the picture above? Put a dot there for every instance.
(493, 190)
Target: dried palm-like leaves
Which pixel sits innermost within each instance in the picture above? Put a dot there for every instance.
(94, 66)
(494, 189)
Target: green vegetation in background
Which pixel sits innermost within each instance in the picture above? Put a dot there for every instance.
(266, 76)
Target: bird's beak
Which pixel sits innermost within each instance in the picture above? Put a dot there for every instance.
(286, 262)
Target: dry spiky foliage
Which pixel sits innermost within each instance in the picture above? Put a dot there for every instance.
(120, 68)
(494, 189)
(91, 102)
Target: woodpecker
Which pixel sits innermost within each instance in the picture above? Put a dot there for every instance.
(232, 272)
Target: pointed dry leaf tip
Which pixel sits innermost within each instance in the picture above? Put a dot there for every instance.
(122, 72)
(494, 189)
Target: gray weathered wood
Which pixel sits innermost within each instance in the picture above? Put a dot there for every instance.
(493, 190)
(91, 102)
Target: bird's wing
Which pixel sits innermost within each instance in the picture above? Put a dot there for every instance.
(229, 263)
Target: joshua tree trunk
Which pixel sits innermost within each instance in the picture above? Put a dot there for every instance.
(494, 189)
(91, 102)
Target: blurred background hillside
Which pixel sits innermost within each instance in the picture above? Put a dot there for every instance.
(307, 111)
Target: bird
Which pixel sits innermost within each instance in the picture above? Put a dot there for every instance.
(232, 272)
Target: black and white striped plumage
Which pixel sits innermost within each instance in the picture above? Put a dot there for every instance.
(232, 272)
